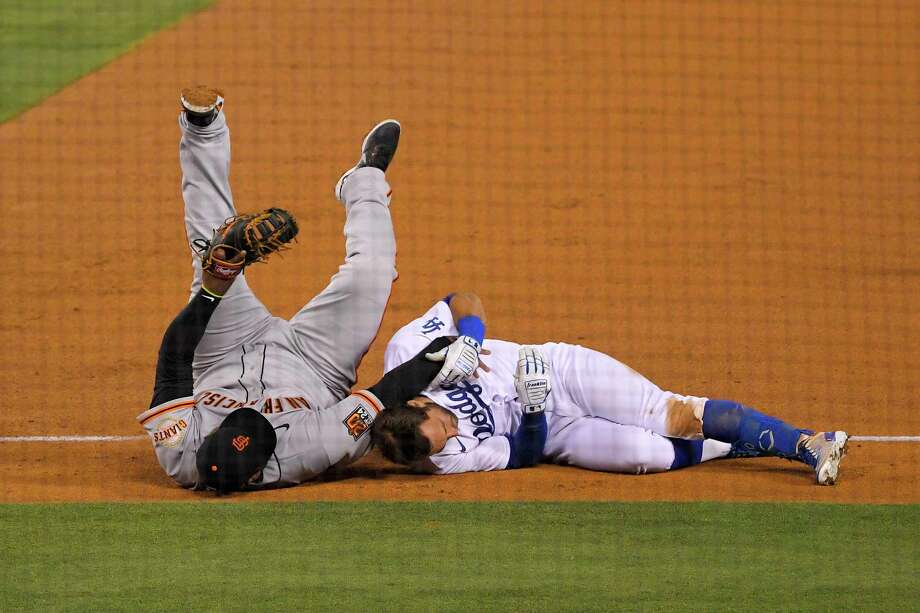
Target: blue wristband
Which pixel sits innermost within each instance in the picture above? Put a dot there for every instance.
(472, 326)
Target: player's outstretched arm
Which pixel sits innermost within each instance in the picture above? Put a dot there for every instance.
(461, 358)
(532, 381)
(407, 380)
(174, 363)
(341, 430)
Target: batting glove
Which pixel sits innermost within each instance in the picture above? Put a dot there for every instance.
(531, 379)
(460, 360)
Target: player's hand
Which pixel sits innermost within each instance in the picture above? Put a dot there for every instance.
(461, 359)
(532, 379)
(218, 285)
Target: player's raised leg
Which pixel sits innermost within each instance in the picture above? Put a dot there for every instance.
(204, 154)
(598, 444)
(336, 328)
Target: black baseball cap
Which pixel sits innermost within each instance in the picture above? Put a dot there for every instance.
(233, 453)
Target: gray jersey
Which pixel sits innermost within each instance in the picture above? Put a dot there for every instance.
(292, 367)
(310, 440)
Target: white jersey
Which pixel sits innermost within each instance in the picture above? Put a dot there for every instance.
(486, 407)
(601, 414)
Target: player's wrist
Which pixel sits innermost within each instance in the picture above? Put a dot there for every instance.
(472, 327)
(212, 292)
(215, 286)
(471, 342)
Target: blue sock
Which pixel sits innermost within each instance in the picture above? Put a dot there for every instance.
(734, 423)
(686, 453)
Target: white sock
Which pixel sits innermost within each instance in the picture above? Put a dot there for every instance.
(713, 449)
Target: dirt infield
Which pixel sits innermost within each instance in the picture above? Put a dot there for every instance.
(128, 472)
(724, 197)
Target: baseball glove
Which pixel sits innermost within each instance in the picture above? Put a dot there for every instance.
(259, 235)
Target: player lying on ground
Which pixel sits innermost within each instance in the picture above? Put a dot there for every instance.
(236, 454)
(566, 404)
(243, 357)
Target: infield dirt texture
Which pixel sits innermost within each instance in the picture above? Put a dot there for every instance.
(724, 196)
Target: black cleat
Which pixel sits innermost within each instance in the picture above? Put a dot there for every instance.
(377, 150)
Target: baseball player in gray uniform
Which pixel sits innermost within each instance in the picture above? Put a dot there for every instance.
(568, 405)
(247, 400)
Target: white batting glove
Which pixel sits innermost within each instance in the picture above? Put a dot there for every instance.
(531, 379)
(460, 360)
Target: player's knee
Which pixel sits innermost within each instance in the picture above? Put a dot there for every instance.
(375, 270)
(684, 417)
(645, 457)
(380, 254)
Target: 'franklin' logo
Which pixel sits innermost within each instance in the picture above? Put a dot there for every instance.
(240, 443)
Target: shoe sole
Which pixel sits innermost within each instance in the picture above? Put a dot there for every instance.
(201, 100)
(831, 467)
(341, 181)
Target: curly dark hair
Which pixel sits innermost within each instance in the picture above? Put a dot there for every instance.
(396, 432)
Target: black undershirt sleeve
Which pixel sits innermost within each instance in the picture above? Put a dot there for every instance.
(174, 364)
(407, 380)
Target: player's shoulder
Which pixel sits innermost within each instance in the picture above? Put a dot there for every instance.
(457, 445)
(412, 337)
(469, 454)
(434, 321)
(168, 423)
(448, 460)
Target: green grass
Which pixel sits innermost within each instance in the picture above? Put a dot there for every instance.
(46, 44)
(459, 557)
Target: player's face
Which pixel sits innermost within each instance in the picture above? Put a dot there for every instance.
(439, 426)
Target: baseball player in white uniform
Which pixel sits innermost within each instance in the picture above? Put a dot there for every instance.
(244, 399)
(510, 406)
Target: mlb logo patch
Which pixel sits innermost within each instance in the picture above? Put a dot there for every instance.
(358, 422)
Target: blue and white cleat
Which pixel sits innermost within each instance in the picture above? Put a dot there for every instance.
(824, 451)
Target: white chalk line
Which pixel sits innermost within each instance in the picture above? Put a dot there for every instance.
(886, 439)
(69, 439)
(117, 439)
